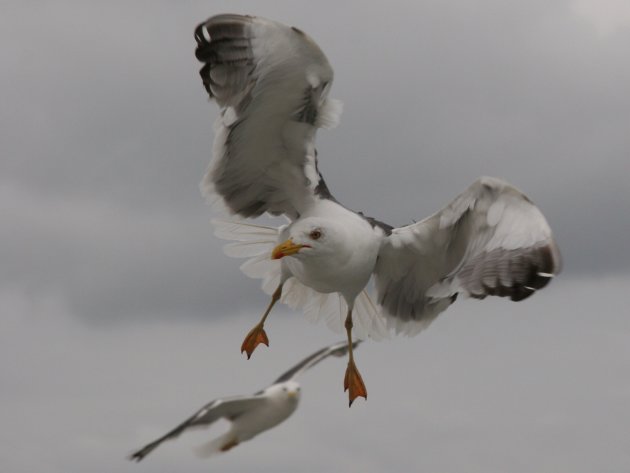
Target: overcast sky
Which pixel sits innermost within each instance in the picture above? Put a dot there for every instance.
(120, 315)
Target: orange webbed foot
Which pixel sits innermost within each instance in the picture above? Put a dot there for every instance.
(255, 337)
(353, 383)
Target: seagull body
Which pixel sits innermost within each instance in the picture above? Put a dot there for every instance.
(271, 83)
(248, 415)
(341, 260)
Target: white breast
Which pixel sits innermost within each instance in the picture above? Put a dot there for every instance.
(347, 268)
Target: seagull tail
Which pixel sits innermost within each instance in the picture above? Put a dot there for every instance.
(221, 444)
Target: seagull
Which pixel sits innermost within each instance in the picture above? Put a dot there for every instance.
(249, 415)
(271, 82)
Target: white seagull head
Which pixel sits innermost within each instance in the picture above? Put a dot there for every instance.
(287, 392)
(312, 237)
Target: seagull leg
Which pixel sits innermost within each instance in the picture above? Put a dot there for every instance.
(353, 383)
(257, 335)
(231, 444)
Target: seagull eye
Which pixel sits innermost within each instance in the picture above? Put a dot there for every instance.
(315, 235)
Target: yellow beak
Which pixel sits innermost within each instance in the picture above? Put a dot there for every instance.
(292, 394)
(287, 248)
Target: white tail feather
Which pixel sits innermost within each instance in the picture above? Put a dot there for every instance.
(376, 325)
(332, 309)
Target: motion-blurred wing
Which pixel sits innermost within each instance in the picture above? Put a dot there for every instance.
(271, 82)
(490, 240)
(338, 349)
(228, 408)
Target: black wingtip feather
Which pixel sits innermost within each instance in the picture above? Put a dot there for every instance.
(137, 456)
(529, 273)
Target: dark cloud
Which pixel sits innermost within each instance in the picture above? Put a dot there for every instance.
(106, 132)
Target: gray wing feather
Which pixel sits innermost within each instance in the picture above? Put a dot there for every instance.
(338, 349)
(490, 240)
(227, 408)
(271, 82)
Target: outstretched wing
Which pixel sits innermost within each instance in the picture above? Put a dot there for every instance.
(338, 349)
(271, 82)
(490, 240)
(228, 408)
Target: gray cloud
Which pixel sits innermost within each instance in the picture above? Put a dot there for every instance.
(491, 386)
(121, 315)
(106, 133)
(110, 263)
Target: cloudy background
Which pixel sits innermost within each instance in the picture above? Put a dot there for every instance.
(120, 315)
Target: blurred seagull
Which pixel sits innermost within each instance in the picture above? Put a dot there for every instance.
(249, 415)
(271, 83)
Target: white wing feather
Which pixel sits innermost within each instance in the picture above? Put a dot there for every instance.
(491, 240)
(271, 82)
(228, 408)
(254, 242)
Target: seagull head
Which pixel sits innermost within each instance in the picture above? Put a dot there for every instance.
(311, 237)
(287, 391)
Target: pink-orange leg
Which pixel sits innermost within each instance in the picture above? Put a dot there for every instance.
(257, 335)
(231, 444)
(352, 382)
